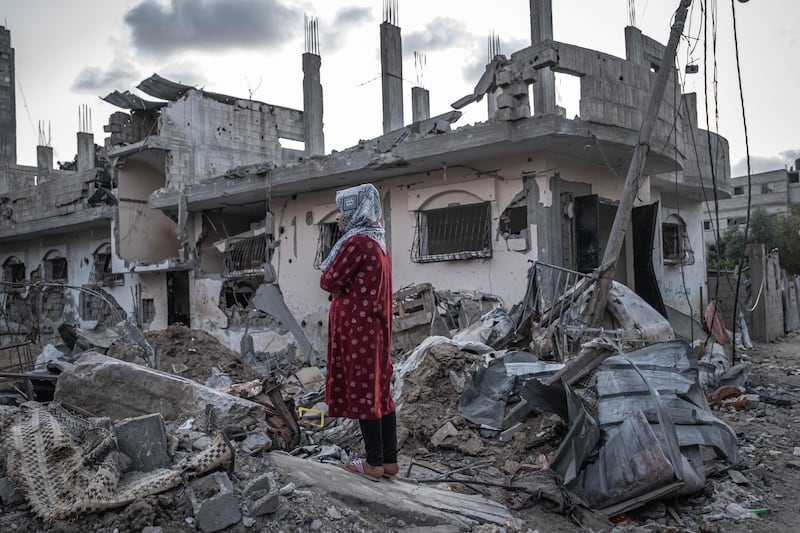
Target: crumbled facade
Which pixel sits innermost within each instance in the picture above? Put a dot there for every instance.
(211, 206)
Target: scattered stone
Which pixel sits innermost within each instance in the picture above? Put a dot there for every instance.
(333, 514)
(796, 451)
(202, 443)
(738, 478)
(316, 525)
(152, 529)
(248, 522)
(144, 440)
(508, 434)
(261, 496)
(213, 502)
(447, 430)
(255, 443)
(287, 489)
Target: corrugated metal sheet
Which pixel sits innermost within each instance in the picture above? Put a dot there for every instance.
(128, 100)
(159, 87)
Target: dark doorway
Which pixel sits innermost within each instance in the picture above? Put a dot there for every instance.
(587, 233)
(178, 298)
(645, 220)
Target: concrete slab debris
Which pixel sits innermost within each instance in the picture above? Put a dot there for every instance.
(213, 502)
(416, 505)
(105, 386)
(144, 440)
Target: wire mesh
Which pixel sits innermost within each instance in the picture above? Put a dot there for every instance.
(453, 233)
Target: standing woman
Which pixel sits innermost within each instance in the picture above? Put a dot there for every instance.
(358, 274)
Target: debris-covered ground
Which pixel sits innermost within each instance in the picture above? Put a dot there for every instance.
(503, 478)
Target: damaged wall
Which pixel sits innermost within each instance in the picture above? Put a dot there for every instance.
(503, 274)
(63, 305)
(145, 235)
(691, 299)
(215, 137)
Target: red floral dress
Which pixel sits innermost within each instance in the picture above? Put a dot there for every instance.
(359, 331)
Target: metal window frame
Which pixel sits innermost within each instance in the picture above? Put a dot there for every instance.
(683, 254)
(245, 257)
(420, 250)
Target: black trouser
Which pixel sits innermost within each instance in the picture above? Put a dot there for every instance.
(380, 439)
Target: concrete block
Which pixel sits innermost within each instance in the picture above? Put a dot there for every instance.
(144, 440)
(9, 495)
(261, 496)
(214, 505)
(447, 430)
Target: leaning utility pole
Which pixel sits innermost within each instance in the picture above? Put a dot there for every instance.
(590, 358)
(605, 271)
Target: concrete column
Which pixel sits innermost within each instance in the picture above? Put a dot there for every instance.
(690, 108)
(312, 105)
(420, 104)
(491, 103)
(44, 160)
(392, 77)
(544, 90)
(85, 151)
(633, 45)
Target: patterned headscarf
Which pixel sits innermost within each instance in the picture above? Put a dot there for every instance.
(361, 215)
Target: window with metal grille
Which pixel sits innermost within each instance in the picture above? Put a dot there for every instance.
(55, 269)
(453, 233)
(101, 273)
(148, 310)
(245, 256)
(676, 248)
(329, 233)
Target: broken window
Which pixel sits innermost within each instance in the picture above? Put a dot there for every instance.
(738, 191)
(766, 188)
(100, 306)
(101, 271)
(329, 233)
(707, 225)
(245, 256)
(13, 272)
(452, 233)
(675, 239)
(55, 267)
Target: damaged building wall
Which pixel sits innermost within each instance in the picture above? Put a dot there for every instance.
(152, 300)
(55, 305)
(503, 188)
(215, 137)
(145, 235)
(682, 281)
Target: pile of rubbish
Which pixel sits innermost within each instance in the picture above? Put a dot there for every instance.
(593, 421)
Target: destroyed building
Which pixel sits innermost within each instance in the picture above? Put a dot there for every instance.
(211, 205)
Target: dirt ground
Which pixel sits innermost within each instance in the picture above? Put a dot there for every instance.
(764, 499)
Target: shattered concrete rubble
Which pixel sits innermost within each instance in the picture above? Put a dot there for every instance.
(488, 435)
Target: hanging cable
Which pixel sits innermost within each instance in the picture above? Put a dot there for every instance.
(749, 180)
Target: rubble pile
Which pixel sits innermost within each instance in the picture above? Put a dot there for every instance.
(193, 354)
(495, 428)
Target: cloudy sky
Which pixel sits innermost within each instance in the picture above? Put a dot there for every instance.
(69, 54)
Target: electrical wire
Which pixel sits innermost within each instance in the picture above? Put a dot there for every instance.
(749, 180)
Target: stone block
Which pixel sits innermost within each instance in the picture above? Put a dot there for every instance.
(262, 496)
(213, 502)
(9, 495)
(144, 440)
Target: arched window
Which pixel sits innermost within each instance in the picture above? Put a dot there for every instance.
(55, 267)
(13, 272)
(452, 225)
(102, 273)
(677, 249)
